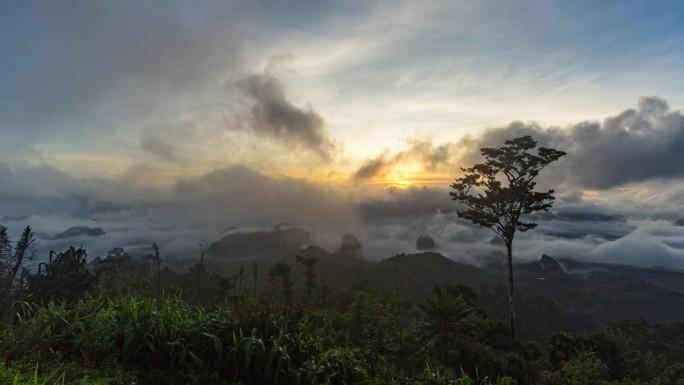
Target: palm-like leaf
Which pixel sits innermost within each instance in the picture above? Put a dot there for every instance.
(444, 317)
(24, 250)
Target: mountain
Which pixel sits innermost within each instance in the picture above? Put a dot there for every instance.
(671, 280)
(415, 275)
(551, 294)
(259, 245)
(78, 231)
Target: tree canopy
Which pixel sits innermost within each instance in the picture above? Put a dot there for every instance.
(500, 190)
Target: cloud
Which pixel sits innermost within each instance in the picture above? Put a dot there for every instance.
(195, 211)
(633, 146)
(652, 244)
(274, 116)
(398, 205)
(161, 148)
(97, 66)
(371, 168)
(241, 196)
(431, 156)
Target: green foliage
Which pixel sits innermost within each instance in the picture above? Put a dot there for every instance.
(584, 368)
(444, 321)
(65, 278)
(355, 336)
(12, 265)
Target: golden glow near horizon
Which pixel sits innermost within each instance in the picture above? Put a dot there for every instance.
(349, 81)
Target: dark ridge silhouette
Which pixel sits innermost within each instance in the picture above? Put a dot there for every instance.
(78, 231)
(260, 244)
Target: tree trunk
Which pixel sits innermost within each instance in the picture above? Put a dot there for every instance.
(509, 247)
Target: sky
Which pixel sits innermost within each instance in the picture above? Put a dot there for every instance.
(170, 121)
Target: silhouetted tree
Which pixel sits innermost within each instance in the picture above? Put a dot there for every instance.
(499, 191)
(281, 270)
(309, 274)
(199, 272)
(241, 272)
(255, 273)
(156, 259)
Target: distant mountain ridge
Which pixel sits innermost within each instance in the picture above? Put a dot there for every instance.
(259, 245)
(77, 231)
(552, 294)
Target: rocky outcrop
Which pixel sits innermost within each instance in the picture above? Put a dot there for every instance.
(548, 263)
(425, 242)
(350, 247)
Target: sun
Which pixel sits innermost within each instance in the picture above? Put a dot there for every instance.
(400, 184)
(399, 179)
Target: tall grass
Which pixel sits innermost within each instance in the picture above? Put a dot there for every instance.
(174, 337)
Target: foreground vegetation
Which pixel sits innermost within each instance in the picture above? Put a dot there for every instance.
(126, 321)
(343, 337)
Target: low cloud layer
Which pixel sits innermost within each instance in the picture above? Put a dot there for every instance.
(274, 116)
(631, 224)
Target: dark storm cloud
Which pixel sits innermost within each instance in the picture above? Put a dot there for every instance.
(274, 116)
(634, 146)
(77, 61)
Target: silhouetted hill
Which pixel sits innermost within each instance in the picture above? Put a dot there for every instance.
(417, 274)
(551, 294)
(259, 245)
(672, 280)
(77, 231)
(338, 270)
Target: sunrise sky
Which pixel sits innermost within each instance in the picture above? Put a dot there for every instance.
(161, 90)
(217, 113)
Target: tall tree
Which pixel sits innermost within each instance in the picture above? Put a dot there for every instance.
(498, 192)
(309, 273)
(155, 257)
(281, 270)
(255, 273)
